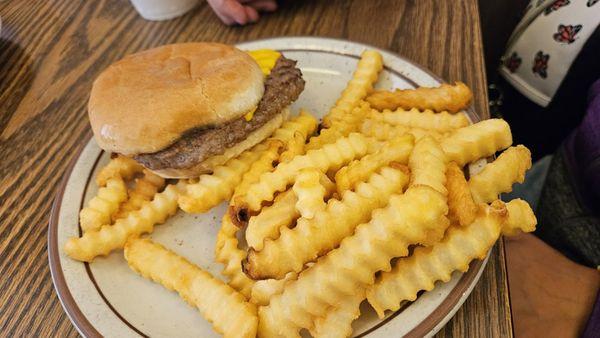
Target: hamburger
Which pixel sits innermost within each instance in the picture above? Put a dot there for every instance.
(182, 109)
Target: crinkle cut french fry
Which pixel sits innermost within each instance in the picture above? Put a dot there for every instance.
(110, 237)
(361, 84)
(311, 238)
(340, 128)
(520, 218)
(263, 290)
(461, 207)
(282, 213)
(144, 190)
(304, 125)
(330, 157)
(263, 164)
(212, 189)
(101, 207)
(120, 166)
(427, 265)
(294, 148)
(271, 219)
(345, 116)
(330, 135)
(310, 192)
(477, 141)
(407, 220)
(499, 176)
(459, 247)
(427, 165)
(446, 97)
(231, 256)
(219, 304)
(338, 321)
(397, 150)
(383, 131)
(427, 119)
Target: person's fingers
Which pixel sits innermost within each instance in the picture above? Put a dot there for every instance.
(219, 8)
(241, 11)
(251, 14)
(263, 5)
(236, 11)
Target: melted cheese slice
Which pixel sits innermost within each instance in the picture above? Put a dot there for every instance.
(266, 59)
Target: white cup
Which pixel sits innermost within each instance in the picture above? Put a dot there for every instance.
(157, 10)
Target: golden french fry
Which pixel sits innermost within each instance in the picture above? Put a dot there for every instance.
(340, 128)
(294, 148)
(440, 122)
(383, 131)
(263, 290)
(332, 134)
(446, 97)
(231, 256)
(110, 237)
(263, 164)
(330, 157)
(395, 150)
(520, 218)
(461, 207)
(407, 220)
(120, 166)
(101, 207)
(361, 84)
(459, 247)
(499, 176)
(338, 321)
(304, 125)
(219, 304)
(271, 219)
(310, 192)
(212, 189)
(344, 116)
(477, 141)
(144, 190)
(311, 238)
(427, 165)
(282, 213)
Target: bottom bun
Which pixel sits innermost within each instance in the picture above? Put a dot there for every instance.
(210, 163)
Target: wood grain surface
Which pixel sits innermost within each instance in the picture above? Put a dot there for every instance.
(51, 51)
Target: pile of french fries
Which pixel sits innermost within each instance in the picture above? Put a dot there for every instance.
(326, 215)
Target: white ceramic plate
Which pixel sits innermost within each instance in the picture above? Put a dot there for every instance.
(107, 298)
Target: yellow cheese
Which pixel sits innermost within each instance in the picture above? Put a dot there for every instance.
(265, 58)
(250, 114)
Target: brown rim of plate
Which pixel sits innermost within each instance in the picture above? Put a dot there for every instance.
(64, 295)
(87, 329)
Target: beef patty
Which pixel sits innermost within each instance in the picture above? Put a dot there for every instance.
(282, 87)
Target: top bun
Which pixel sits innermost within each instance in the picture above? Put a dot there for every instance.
(146, 101)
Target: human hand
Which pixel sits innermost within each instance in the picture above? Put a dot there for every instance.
(241, 11)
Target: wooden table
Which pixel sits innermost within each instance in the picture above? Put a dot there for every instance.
(51, 51)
